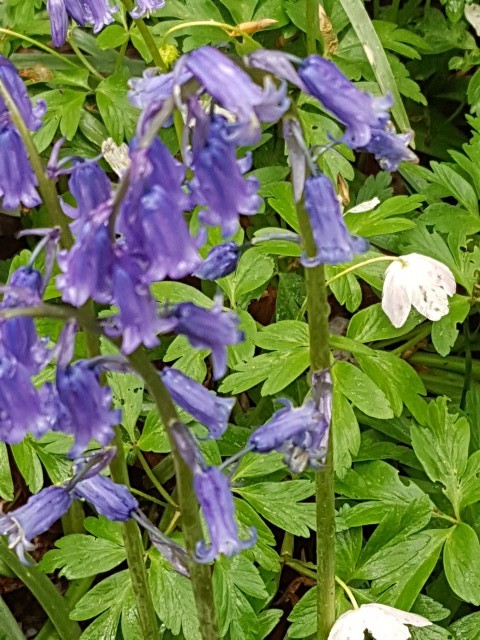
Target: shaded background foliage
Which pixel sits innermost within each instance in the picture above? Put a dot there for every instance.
(407, 400)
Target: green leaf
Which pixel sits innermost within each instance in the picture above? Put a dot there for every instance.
(445, 332)
(254, 270)
(361, 391)
(457, 186)
(304, 616)
(345, 432)
(466, 628)
(284, 334)
(279, 196)
(117, 113)
(371, 324)
(128, 396)
(6, 482)
(102, 596)
(112, 36)
(290, 296)
(442, 448)
(176, 292)
(461, 560)
(173, 598)
(280, 503)
(290, 366)
(28, 464)
(81, 556)
(105, 626)
(241, 10)
(381, 220)
(154, 436)
(263, 551)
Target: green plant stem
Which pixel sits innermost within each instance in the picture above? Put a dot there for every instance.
(76, 590)
(40, 45)
(200, 574)
(48, 597)
(147, 36)
(422, 333)
(8, 625)
(452, 363)
(46, 186)
(309, 572)
(228, 28)
(148, 497)
(153, 478)
(83, 59)
(311, 14)
(318, 312)
(121, 56)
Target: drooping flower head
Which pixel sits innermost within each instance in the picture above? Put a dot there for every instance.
(144, 8)
(221, 261)
(213, 493)
(112, 500)
(17, 180)
(418, 281)
(205, 406)
(98, 13)
(18, 92)
(334, 242)
(391, 148)
(359, 111)
(212, 329)
(34, 518)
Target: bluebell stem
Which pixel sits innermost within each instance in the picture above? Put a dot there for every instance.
(334, 242)
(112, 500)
(391, 148)
(35, 517)
(205, 406)
(360, 112)
(144, 8)
(207, 329)
(297, 153)
(213, 493)
(221, 261)
(219, 184)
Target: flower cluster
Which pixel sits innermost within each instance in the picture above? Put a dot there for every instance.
(130, 236)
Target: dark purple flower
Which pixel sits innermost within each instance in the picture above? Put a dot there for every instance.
(18, 335)
(23, 409)
(114, 501)
(221, 261)
(360, 112)
(91, 188)
(18, 91)
(35, 517)
(284, 425)
(144, 8)
(235, 91)
(58, 15)
(212, 489)
(83, 405)
(334, 242)
(17, 180)
(390, 148)
(87, 267)
(208, 329)
(277, 63)
(205, 406)
(219, 184)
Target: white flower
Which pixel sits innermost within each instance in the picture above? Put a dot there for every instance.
(382, 622)
(116, 156)
(367, 205)
(420, 281)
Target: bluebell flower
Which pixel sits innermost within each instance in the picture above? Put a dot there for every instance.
(277, 63)
(23, 409)
(17, 180)
(334, 242)
(205, 406)
(360, 112)
(35, 517)
(18, 335)
(112, 500)
(221, 261)
(390, 148)
(91, 188)
(235, 91)
(307, 449)
(83, 405)
(213, 492)
(207, 329)
(153, 88)
(144, 8)
(137, 321)
(32, 115)
(284, 425)
(98, 13)
(87, 267)
(219, 184)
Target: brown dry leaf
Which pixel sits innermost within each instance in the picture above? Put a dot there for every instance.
(330, 40)
(254, 26)
(37, 73)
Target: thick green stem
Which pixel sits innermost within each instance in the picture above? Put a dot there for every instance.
(318, 312)
(8, 624)
(311, 14)
(76, 590)
(200, 574)
(147, 36)
(48, 597)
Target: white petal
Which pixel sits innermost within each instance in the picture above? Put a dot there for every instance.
(116, 156)
(402, 616)
(431, 272)
(383, 623)
(348, 627)
(396, 297)
(368, 205)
